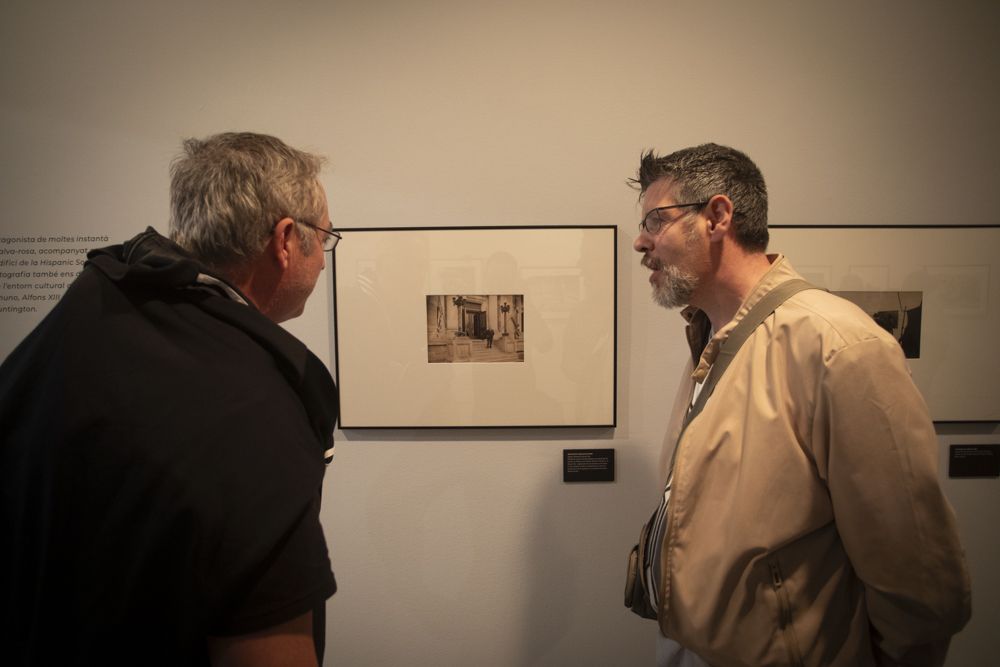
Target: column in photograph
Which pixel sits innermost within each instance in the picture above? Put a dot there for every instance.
(452, 315)
(492, 321)
(437, 336)
(517, 316)
(504, 312)
(435, 316)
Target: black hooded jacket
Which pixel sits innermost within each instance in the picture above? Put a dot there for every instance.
(161, 460)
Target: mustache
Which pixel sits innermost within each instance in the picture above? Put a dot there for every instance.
(651, 263)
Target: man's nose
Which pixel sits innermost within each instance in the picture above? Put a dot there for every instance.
(641, 243)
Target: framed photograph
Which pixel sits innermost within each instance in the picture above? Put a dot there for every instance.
(936, 289)
(476, 327)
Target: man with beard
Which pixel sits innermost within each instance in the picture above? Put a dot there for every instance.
(163, 440)
(802, 521)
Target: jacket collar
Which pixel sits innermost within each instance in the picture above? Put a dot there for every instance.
(152, 260)
(148, 259)
(703, 354)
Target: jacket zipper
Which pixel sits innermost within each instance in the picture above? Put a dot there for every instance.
(785, 614)
(668, 522)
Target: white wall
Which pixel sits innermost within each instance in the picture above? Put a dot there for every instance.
(466, 548)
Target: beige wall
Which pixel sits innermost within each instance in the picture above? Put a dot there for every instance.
(457, 548)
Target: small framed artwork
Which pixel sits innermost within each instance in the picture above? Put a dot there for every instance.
(476, 327)
(935, 289)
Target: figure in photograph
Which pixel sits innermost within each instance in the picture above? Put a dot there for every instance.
(163, 440)
(909, 337)
(489, 337)
(801, 520)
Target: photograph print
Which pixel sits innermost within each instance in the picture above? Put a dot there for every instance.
(475, 328)
(899, 313)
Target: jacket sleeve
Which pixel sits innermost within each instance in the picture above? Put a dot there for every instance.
(899, 531)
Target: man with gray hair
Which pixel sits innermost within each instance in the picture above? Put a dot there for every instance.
(802, 521)
(164, 439)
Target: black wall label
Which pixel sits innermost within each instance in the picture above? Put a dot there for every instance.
(588, 465)
(974, 461)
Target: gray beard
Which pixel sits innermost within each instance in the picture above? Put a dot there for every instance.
(676, 289)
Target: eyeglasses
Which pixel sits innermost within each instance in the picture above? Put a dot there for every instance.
(329, 241)
(654, 223)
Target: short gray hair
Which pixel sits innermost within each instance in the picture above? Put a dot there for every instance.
(702, 171)
(228, 191)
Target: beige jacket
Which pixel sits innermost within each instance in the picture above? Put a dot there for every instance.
(806, 524)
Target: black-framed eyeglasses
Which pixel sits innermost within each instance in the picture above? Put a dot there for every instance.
(331, 238)
(653, 222)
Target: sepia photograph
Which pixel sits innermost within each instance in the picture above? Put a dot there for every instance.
(475, 328)
(898, 313)
(935, 288)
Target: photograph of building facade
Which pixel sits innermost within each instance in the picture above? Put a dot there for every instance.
(477, 328)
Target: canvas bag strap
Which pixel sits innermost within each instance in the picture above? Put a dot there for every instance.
(754, 317)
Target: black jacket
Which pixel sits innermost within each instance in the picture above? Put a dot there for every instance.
(161, 459)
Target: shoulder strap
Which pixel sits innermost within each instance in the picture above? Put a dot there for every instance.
(757, 314)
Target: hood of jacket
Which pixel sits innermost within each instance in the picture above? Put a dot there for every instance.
(152, 261)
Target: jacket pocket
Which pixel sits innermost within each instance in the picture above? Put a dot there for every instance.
(785, 625)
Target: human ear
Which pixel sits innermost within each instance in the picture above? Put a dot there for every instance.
(280, 245)
(719, 212)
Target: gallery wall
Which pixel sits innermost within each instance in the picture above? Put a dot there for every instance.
(465, 547)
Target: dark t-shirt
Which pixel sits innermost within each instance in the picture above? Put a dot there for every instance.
(160, 468)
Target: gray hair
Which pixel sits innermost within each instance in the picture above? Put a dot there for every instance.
(228, 191)
(700, 172)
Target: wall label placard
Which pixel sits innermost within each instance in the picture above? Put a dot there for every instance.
(588, 465)
(974, 461)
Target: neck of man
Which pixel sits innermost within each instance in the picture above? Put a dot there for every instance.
(256, 283)
(733, 275)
